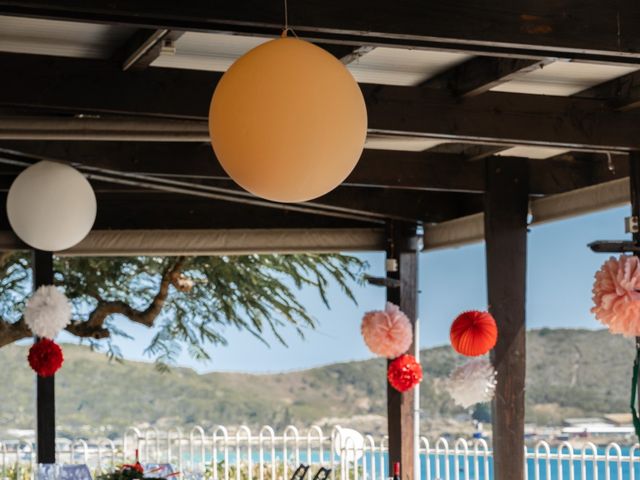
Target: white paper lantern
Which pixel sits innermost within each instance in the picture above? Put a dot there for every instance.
(288, 121)
(51, 206)
(47, 312)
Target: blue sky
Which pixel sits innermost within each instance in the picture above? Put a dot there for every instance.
(560, 275)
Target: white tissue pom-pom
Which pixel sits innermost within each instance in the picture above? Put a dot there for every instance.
(474, 382)
(47, 312)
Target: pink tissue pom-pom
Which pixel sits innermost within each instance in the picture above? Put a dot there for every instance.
(616, 297)
(389, 333)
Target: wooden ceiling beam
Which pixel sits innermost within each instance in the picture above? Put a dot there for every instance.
(376, 168)
(345, 53)
(169, 211)
(405, 205)
(429, 171)
(88, 86)
(360, 203)
(481, 74)
(622, 93)
(356, 53)
(593, 30)
(502, 119)
(144, 47)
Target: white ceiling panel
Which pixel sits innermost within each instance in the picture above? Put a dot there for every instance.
(397, 142)
(563, 78)
(216, 52)
(207, 51)
(394, 66)
(532, 152)
(58, 38)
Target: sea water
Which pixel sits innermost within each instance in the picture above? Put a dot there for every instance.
(546, 469)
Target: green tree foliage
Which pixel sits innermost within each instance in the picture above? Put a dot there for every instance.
(188, 300)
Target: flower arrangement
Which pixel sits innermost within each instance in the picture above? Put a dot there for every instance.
(134, 471)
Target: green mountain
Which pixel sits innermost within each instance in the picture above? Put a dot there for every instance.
(570, 373)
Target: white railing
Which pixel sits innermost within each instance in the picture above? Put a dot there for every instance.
(222, 453)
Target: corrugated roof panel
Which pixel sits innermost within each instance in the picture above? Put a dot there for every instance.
(563, 78)
(395, 66)
(207, 51)
(64, 39)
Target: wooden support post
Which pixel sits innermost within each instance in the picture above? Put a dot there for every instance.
(634, 188)
(506, 208)
(45, 387)
(634, 184)
(404, 243)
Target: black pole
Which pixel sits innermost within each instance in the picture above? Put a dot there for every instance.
(45, 387)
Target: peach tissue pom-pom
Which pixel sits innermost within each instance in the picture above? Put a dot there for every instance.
(616, 297)
(387, 333)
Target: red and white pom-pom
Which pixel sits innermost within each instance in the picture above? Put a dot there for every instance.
(474, 382)
(45, 357)
(404, 373)
(616, 297)
(47, 312)
(387, 333)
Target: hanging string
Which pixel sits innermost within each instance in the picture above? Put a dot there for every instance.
(286, 22)
(286, 15)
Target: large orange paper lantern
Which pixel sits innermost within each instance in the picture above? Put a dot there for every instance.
(474, 333)
(288, 121)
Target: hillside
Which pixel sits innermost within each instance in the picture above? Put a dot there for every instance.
(570, 373)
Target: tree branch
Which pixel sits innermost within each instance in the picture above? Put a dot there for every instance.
(12, 332)
(94, 326)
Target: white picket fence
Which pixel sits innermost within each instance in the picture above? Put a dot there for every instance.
(221, 454)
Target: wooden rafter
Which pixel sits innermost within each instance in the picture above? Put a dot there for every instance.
(575, 29)
(158, 211)
(623, 93)
(376, 168)
(372, 205)
(481, 74)
(144, 47)
(496, 118)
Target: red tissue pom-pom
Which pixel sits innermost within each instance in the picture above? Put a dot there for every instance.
(474, 333)
(404, 373)
(45, 357)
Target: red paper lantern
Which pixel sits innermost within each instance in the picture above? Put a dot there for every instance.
(474, 333)
(45, 357)
(404, 373)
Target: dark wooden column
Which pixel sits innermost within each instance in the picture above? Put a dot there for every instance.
(404, 243)
(634, 189)
(45, 387)
(634, 184)
(506, 208)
